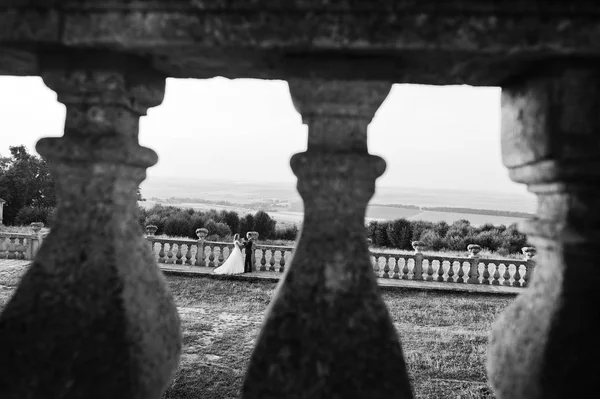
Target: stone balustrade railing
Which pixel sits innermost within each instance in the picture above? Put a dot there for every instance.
(21, 245)
(455, 269)
(417, 266)
(214, 253)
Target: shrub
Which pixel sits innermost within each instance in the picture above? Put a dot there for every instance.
(399, 234)
(217, 228)
(289, 233)
(157, 221)
(441, 228)
(418, 227)
(432, 240)
(213, 237)
(177, 225)
(29, 214)
(488, 239)
(381, 237)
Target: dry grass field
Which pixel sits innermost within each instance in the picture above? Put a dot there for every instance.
(444, 335)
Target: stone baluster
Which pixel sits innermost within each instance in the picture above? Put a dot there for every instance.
(263, 260)
(474, 251)
(440, 271)
(486, 274)
(92, 317)
(529, 253)
(506, 275)
(170, 255)
(221, 255)
(12, 248)
(21, 248)
(386, 267)
(179, 255)
(542, 345)
(450, 271)
(405, 269)
(429, 270)
(496, 275)
(460, 272)
(418, 246)
(202, 233)
(188, 255)
(161, 253)
(516, 277)
(396, 274)
(376, 268)
(328, 298)
(282, 262)
(272, 261)
(211, 255)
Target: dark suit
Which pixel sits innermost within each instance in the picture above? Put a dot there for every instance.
(248, 246)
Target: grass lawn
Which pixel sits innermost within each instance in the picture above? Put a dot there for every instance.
(444, 335)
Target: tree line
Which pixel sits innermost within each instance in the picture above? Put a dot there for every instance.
(221, 225)
(400, 233)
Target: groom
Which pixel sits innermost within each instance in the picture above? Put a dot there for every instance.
(249, 247)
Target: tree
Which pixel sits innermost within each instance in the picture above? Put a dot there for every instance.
(246, 224)
(399, 234)
(232, 219)
(264, 225)
(381, 237)
(25, 181)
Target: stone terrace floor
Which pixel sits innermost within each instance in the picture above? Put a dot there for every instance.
(274, 276)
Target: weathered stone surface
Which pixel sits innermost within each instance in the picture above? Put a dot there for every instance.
(328, 333)
(19, 62)
(540, 346)
(453, 42)
(92, 317)
(29, 25)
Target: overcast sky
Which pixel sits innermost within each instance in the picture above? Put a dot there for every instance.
(431, 137)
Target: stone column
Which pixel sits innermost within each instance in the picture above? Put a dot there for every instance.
(35, 239)
(328, 332)
(419, 246)
(474, 251)
(543, 345)
(202, 233)
(92, 317)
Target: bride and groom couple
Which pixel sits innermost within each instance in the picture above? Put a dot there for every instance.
(237, 263)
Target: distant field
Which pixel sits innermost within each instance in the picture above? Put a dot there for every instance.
(476, 220)
(244, 192)
(388, 213)
(373, 213)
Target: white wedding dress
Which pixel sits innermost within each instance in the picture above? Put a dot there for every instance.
(234, 263)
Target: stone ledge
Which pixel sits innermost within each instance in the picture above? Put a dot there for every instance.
(384, 284)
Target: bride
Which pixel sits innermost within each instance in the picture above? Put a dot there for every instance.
(235, 262)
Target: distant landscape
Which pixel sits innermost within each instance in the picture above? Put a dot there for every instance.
(282, 202)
